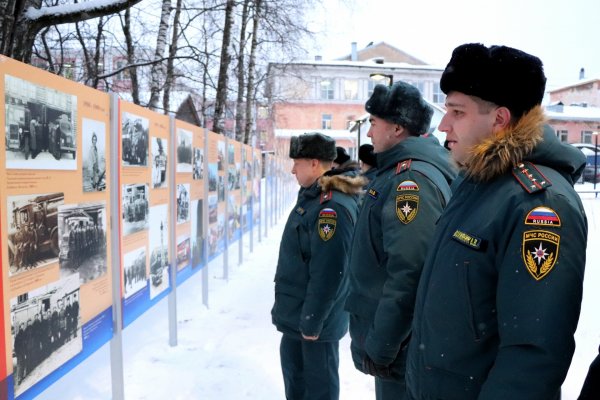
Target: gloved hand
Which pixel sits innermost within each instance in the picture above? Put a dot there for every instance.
(370, 367)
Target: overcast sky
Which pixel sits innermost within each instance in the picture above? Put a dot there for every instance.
(563, 34)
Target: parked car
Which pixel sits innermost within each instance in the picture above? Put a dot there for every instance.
(588, 173)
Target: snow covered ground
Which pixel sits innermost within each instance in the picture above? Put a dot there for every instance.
(229, 351)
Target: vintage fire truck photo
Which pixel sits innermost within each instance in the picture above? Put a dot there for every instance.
(33, 231)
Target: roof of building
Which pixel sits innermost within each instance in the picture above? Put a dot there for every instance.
(559, 112)
(580, 82)
(383, 50)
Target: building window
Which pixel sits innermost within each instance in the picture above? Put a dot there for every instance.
(326, 89)
(263, 112)
(586, 137)
(372, 84)
(562, 135)
(351, 90)
(124, 74)
(438, 96)
(419, 85)
(326, 121)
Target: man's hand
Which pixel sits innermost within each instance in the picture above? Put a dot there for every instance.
(370, 367)
(310, 338)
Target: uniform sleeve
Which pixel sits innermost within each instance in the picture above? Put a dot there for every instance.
(408, 220)
(539, 291)
(330, 239)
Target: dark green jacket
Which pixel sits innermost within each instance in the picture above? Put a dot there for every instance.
(311, 280)
(500, 294)
(392, 234)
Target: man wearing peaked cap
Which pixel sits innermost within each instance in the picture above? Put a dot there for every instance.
(311, 278)
(398, 213)
(500, 293)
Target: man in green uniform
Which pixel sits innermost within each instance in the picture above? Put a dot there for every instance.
(394, 229)
(311, 279)
(500, 293)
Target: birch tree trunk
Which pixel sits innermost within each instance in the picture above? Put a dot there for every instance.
(251, 90)
(239, 104)
(157, 72)
(221, 98)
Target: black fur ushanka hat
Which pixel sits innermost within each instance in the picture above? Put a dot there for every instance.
(505, 76)
(401, 104)
(366, 154)
(313, 145)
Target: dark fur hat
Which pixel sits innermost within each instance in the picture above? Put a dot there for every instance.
(366, 155)
(342, 155)
(313, 145)
(401, 104)
(505, 76)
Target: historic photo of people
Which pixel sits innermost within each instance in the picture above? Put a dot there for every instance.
(134, 140)
(134, 271)
(184, 150)
(45, 329)
(212, 177)
(159, 162)
(221, 155)
(41, 126)
(82, 240)
(198, 172)
(159, 249)
(94, 155)
(183, 202)
(135, 208)
(32, 231)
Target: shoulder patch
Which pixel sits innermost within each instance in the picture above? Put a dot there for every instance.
(530, 178)
(327, 223)
(403, 166)
(542, 216)
(407, 207)
(326, 196)
(407, 185)
(540, 252)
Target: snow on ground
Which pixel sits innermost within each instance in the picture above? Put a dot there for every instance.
(230, 350)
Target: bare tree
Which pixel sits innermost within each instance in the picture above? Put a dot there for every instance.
(251, 89)
(239, 105)
(170, 73)
(221, 97)
(21, 21)
(158, 71)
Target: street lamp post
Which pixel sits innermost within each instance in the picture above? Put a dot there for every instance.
(377, 76)
(359, 123)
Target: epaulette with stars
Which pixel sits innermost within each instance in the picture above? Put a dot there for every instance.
(403, 166)
(530, 178)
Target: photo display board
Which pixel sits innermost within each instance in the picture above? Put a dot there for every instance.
(190, 200)
(54, 202)
(216, 194)
(234, 192)
(144, 191)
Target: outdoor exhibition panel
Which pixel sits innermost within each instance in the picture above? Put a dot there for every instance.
(56, 284)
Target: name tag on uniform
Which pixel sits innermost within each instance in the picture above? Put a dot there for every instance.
(373, 193)
(469, 240)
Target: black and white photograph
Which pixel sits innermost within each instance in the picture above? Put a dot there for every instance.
(231, 177)
(134, 140)
(198, 172)
(183, 202)
(94, 155)
(212, 177)
(159, 151)
(221, 187)
(134, 271)
(82, 240)
(184, 252)
(197, 232)
(45, 330)
(41, 126)
(221, 155)
(135, 208)
(231, 154)
(184, 150)
(32, 231)
(213, 208)
(159, 249)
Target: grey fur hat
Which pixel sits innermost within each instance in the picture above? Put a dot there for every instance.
(401, 104)
(313, 145)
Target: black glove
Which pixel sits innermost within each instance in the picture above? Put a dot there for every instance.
(378, 370)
